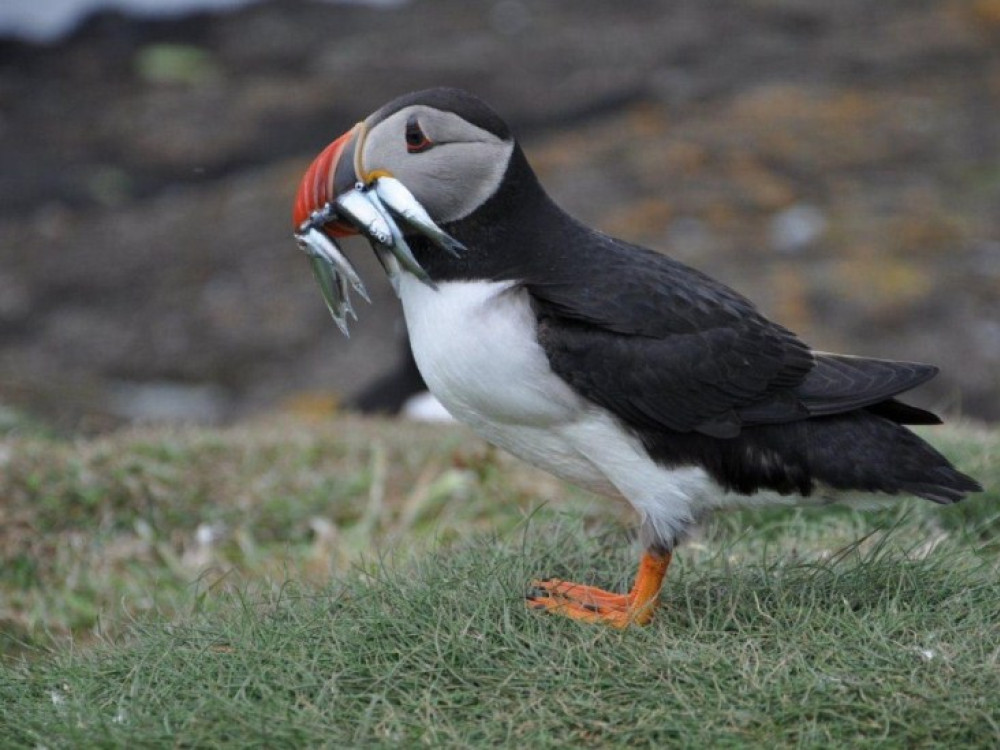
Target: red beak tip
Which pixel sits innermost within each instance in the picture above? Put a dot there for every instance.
(316, 188)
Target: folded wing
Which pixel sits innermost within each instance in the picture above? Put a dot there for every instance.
(665, 347)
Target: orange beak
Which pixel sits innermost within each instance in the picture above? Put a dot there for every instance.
(330, 174)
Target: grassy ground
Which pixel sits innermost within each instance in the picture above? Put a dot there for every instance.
(232, 588)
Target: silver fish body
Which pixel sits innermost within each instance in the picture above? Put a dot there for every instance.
(400, 202)
(398, 246)
(328, 249)
(357, 208)
(334, 273)
(336, 303)
(391, 266)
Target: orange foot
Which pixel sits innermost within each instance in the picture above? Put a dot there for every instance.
(591, 604)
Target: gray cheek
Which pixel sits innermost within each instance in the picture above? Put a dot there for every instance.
(460, 177)
(444, 192)
(390, 156)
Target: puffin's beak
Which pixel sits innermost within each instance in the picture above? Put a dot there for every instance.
(331, 174)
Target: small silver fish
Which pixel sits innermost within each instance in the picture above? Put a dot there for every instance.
(398, 246)
(355, 206)
(397, 198)
(330, 284)
(392, 268)
(328, 249)
(333, 272)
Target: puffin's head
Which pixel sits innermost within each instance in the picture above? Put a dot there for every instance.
(448, 148)
(424, 160)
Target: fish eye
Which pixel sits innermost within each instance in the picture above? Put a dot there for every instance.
(416, 140)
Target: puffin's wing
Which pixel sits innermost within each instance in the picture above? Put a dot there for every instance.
(840, 383)
(688, 381)
(664, 346)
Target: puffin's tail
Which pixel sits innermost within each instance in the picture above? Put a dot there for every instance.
(864, 451)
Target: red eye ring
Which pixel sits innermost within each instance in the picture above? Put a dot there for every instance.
(416, 140)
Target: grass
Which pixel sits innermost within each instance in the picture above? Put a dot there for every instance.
(96, 532)
(290, 626)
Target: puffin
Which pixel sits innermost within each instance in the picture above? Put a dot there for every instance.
(607, 364)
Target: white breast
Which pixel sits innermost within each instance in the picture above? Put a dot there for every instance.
(475, 345)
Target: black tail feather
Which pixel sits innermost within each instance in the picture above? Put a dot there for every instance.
(950, 486)
(840, 383)
(901, 413)
(855, 452)
(868, 452)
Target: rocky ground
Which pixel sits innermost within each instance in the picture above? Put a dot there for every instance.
(837, 162)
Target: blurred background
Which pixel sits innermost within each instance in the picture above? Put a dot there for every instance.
(838, 163)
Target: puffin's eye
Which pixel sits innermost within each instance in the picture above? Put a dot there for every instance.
(416, 141)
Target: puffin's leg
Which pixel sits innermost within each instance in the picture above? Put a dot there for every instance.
(591, 604)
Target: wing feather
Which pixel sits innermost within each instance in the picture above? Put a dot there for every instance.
(665, 347)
